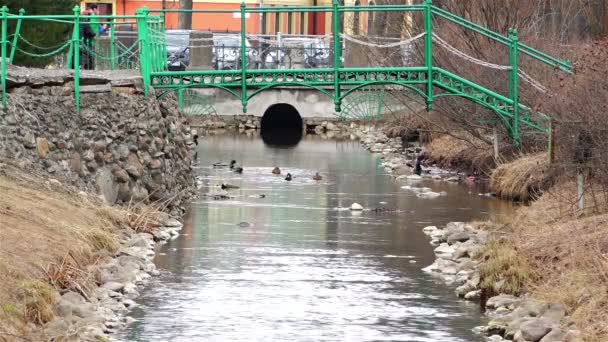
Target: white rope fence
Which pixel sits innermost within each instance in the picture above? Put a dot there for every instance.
(383, 46)
(534, 83)
(464, 56)
(525, 77)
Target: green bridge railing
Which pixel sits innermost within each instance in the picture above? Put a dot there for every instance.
(336, 81)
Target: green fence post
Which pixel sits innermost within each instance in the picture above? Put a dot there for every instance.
(428, 51)
(16, 37)
(70, 62)
(337, 56)
(162, 59)
(180, 98)
(154, 43)
(243, 59)
(112, 44)
(380, 103)
(4, 13)
(156, 40)
(163, 41)
(151, 43)
(76, 53)
(514, 84)
(144, 57)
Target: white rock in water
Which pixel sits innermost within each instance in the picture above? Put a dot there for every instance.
(429, 229)
(429, 194)
(414, 177)
(356, 207)
(171, 222)
(444, 249)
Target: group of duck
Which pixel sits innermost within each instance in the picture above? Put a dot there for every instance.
(276, 171)
(235, 167)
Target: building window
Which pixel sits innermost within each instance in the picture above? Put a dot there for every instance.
(289, 22)
(277, 22)
(263, 23)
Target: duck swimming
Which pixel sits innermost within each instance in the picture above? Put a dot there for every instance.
(289, 177)
(317, 177)
(276, 171)
(235, 167)
(228, 186)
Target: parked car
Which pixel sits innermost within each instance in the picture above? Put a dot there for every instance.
(317, 54)
(298, 53)
(227, 52)
(178, 49)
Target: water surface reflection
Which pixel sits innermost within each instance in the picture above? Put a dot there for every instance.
(304, 270)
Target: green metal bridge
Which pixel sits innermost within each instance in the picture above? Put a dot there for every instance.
(336, 81)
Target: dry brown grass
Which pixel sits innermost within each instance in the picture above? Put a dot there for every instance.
(48, 236)
(467, 153)
(522, 179)
(567, 252)
(504, 270)
(38, 298)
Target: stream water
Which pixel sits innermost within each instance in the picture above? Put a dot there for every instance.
(294, 267)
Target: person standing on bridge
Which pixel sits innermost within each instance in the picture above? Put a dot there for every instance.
(87, 35)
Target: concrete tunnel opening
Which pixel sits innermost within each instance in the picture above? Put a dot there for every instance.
(282, 125)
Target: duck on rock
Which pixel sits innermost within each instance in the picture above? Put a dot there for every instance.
(317, 177)
(289, 177)
(276, 171)
(234, 166)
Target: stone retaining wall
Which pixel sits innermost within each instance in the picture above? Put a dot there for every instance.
(121, 145)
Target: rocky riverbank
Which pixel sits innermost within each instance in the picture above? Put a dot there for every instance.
(460, 248)
(119, 149)
(94, 316)
(399, 159)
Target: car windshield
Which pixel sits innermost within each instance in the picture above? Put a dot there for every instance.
(177, 40)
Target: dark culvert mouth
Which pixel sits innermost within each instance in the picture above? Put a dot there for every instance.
(282, 125)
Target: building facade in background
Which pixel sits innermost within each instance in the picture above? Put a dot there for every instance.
(269, 23)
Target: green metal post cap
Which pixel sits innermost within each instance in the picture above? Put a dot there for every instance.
(22, 11)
